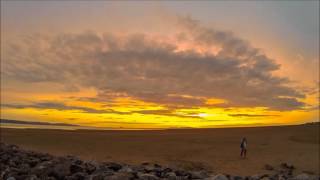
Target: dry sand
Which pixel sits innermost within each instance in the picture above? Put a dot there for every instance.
(212, 149)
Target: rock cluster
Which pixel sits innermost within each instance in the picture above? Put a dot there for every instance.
(19, 164)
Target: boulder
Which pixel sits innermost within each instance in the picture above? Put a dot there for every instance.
(77, 176)
(100, 176)
(32, 161)
(112, 166)
(59, 171)
(43, 169)
(169, 175)
(302, 176)
(126, 169)
(89, 167)
(217, 177)
(74, 168)
(255, 177)
(182, 173)
(199, 174)
(146, 176)
(120, 176)
(265, 178)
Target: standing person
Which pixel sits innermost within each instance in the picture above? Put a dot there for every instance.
(243, 147)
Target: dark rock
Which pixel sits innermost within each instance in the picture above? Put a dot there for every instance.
(218, 177)
(77, 176)
(182, 173)
(33, 162)
(126, 169)
(28, 177)
(5, 158)
(287, 166)
(199, 174)
(148, 168)
(236, 178)
(145, 163)
(265, 178)
(43, 169)
(61, 170)
(137, 168)
(100, 174)
(96, 177)
(264, 175)
(157, 165)
(254, 177)
(74, 168)
(12, 163)
(24, 168)
(302, 177)
(24, 177)
(170, 176)
(45, 157)
(11, 178)
(89, 167)
(147, 177)
(268, 167)
(113, 166)
(4, 171)
(32, 177)
(50, 178)
(121, 176)
(166, 170)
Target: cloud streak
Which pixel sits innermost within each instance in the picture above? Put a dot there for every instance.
(6, 121)
(252, 115)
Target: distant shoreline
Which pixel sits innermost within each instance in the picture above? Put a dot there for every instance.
(20, 124)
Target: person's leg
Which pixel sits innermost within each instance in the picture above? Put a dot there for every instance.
(241, 152)
(245, 153)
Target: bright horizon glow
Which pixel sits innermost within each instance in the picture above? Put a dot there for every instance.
(159, 65)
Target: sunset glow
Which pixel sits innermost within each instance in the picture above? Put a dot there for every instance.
(110, 67)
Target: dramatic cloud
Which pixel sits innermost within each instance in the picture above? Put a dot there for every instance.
(153, 69)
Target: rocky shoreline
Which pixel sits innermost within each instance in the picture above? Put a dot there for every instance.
(19, 164)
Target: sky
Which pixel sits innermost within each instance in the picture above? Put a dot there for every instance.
(168, 64)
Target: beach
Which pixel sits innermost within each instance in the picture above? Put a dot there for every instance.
(215, 150)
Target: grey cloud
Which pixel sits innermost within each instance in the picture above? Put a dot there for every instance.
(147, 69)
